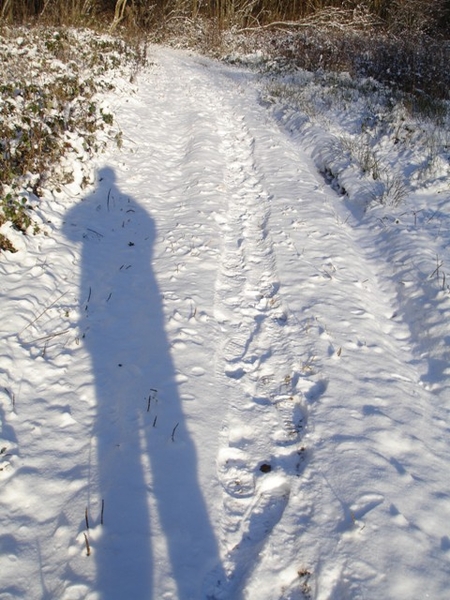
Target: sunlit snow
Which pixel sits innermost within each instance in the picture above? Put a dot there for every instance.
(222, 379)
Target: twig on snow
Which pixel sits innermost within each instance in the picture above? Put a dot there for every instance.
(173, 432)
(88, 547)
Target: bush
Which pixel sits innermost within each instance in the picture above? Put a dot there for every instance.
(49, 107)
(417, 65)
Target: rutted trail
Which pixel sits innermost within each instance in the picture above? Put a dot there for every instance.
(242, 397)
(298, 336)
(254, 363)
(255, 377)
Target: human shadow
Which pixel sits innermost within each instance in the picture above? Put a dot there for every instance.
(145, 455)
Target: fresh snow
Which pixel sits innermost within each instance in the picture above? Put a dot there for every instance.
(220, 378)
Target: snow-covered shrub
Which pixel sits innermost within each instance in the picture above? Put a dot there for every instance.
(50, 101)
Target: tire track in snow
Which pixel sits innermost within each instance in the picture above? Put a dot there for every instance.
(254, 366)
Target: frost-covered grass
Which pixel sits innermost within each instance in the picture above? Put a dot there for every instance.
(52, 85)
(367, 130)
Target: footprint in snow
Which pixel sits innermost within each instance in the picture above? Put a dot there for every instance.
(237, 480)
(257, 524)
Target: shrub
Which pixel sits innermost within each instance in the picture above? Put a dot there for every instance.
(49, 102)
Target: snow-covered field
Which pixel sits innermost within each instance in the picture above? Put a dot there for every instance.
(221, 378)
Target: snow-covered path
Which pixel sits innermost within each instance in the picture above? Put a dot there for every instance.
(207, 379)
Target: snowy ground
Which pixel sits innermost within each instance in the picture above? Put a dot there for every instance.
(220, 378)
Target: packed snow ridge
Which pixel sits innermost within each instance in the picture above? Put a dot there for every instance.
(221, 378)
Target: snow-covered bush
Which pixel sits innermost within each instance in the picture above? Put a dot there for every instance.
(50, 100)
